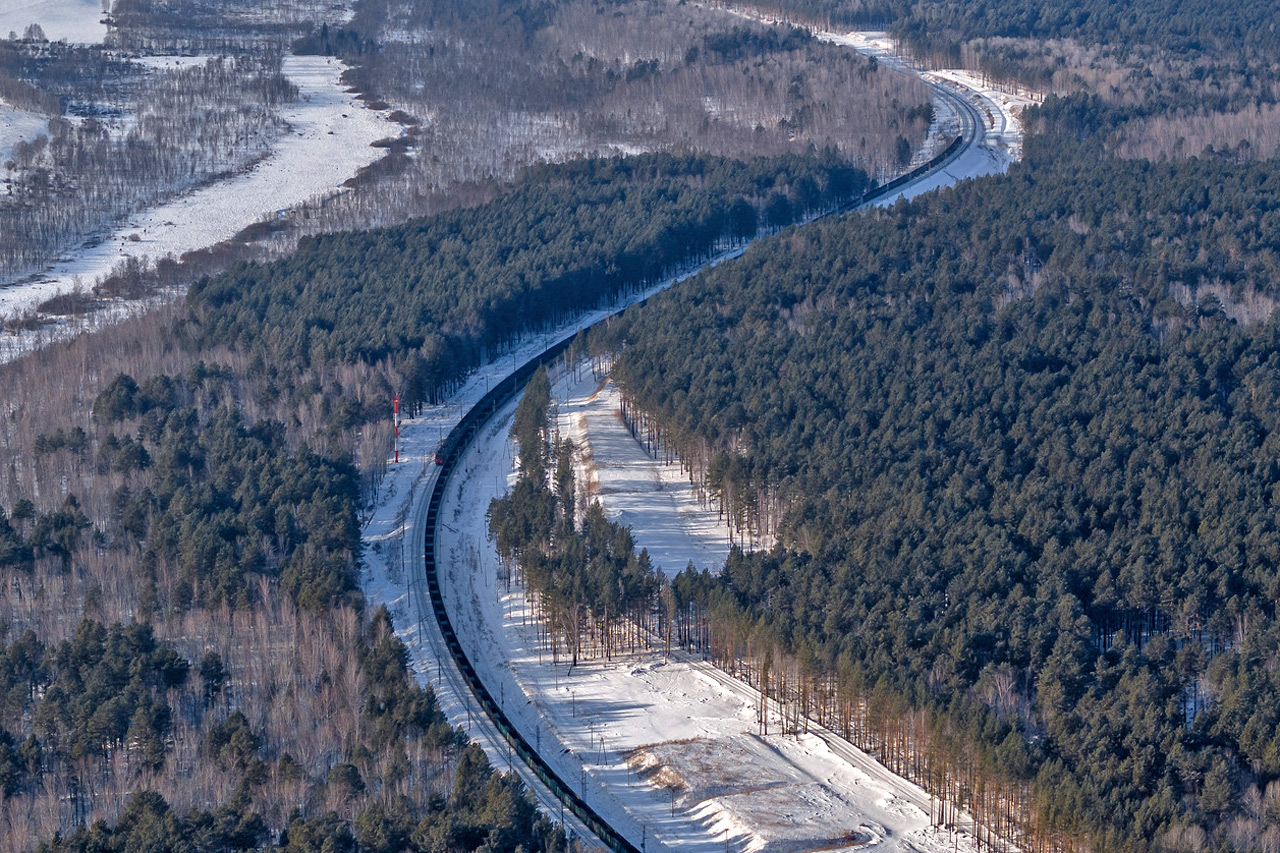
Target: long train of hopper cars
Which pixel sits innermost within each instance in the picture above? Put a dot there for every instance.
(447, 457)
(450, 452)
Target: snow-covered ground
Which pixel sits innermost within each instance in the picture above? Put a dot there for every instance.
(655, 499)
(76, 21)
(18, 126)
(329, 138)
(667, 750)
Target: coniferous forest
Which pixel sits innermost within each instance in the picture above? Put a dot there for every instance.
(187, 660)
(1017, 441)
(1021, 438)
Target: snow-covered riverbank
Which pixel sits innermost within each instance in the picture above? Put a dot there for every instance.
(329, 139)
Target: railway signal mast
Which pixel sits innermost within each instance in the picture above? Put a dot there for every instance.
(395, 420)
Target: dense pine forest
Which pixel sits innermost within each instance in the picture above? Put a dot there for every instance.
(1023, 436)
(1181, 25)
(1017, 440)
(186, 659)
(423, 302)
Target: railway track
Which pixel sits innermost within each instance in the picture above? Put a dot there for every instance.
(432, 605)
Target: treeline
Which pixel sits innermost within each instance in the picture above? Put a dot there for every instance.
(213, 27)
(592, 594)
(1027, 461)
(1185, 25)
(419, 305)
(482, 811)
(145, 137)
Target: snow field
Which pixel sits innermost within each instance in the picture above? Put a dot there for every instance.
(18, 126)
(655, 500)
(75, 21)
(328, 141)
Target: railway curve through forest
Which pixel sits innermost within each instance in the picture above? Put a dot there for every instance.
(429, 604)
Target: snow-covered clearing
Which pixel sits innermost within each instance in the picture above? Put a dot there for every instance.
(655, 499)
(76, 21)
(328, 141)
(667, 751)
(18, 126)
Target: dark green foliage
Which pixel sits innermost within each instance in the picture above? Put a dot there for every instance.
(147, 823)
(14, 554)
(235, 747)
(13, 765)
(741, 42)
(122, 454)
(1182, 25)
(529, 426)
(56, 533)
(90, 695)
(219, 490)
(1007, 448)
(327, 833)
(117, 401)
(431, 295)
(213, 675)
(589, 579)
(75, 440)
(398, 707)
(493, 810)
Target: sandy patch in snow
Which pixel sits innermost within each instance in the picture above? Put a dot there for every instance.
(77, 21)
(328, 140)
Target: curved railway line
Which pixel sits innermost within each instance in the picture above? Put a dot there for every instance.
(461, 436)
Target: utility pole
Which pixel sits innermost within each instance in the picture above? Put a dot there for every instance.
(395, 420)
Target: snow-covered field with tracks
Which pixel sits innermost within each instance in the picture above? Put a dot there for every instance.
(329, 139)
